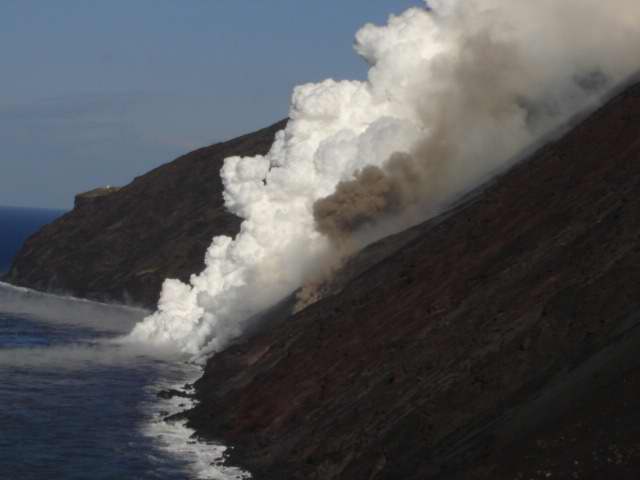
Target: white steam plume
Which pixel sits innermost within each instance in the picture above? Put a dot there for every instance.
(456, 89)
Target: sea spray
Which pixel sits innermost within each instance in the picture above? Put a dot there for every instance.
(173, 435)
(456, 89)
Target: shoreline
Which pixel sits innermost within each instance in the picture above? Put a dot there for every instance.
(209, 458)
(205, 459)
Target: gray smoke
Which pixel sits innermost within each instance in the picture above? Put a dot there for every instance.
(517, 72)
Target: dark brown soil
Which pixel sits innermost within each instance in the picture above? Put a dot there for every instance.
(120, 244)
(498, 342)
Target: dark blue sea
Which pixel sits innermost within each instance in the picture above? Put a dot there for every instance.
(79, 401)
(16, 224)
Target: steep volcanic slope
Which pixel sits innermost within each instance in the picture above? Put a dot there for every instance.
(120, 244)
(499, 342)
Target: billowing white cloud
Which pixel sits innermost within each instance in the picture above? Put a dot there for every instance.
(453, 93)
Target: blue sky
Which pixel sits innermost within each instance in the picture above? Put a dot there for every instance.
(96, 92)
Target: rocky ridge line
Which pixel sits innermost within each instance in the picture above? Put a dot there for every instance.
(119, 244)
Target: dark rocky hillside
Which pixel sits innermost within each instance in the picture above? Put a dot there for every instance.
(498, 342)
(119, 244)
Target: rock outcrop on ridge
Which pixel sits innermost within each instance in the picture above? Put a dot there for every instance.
(499, 341)
(119, 244)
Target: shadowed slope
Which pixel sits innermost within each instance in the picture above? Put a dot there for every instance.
(460, 353)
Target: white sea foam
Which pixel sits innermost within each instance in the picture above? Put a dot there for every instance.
(206, 459)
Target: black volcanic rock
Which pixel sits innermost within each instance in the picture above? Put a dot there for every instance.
(497, 342)
(120, 244)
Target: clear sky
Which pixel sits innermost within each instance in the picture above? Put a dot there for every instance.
(96, 92)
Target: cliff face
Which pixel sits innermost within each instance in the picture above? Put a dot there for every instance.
(497, 342)
(120, 244)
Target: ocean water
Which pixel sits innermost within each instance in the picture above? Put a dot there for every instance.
(16, 224)
(79, 401)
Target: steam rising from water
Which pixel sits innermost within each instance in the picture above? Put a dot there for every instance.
(101, 322)
(455, 91)
(62, 372)
(100, 317)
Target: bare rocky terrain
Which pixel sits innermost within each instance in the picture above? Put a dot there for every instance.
(497, 342)
(119, 244)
